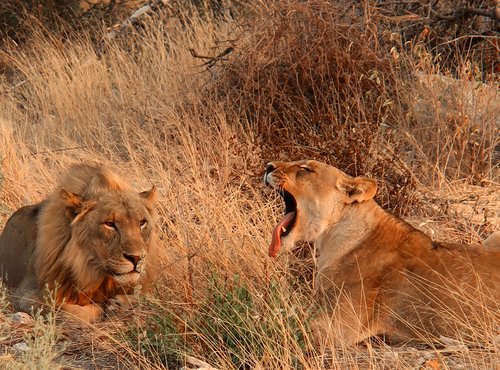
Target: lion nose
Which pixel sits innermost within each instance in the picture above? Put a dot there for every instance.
(270, 167)
(132, 258)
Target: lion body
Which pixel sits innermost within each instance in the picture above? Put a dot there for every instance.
(88, 242)
(376, 274)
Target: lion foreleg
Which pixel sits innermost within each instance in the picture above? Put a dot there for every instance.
(89, 313)
(349, 315)
(331, 329)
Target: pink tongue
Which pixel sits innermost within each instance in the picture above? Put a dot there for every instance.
(275, 245)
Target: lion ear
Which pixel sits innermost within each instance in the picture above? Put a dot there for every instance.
(72, 200)
(150, 196)
(357, 189)
(76, 208)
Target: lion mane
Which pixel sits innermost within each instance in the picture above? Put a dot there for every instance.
(92, 242)
(376, 274)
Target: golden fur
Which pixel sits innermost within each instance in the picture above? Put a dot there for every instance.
(88, 242)
(376, 274)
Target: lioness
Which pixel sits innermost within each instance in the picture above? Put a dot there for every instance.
(376, 274)
(88, 242)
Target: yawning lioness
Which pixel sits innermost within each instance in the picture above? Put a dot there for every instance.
(376, 274)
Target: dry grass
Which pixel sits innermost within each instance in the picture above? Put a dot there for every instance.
(302, 81)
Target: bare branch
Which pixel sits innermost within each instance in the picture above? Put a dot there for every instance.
(210, 61)
(467, 12)
(134, 19)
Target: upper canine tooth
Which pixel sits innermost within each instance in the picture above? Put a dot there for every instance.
(283, 229)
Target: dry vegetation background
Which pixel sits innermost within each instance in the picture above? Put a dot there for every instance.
(196, 98)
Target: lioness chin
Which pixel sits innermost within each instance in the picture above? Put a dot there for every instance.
(92, 242)
(376, 274)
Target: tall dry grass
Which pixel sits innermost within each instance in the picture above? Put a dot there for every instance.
(303, 79)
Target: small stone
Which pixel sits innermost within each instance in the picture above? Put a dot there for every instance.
(22, 318)
(21, 347)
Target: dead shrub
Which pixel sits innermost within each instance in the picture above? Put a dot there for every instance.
(313, 82)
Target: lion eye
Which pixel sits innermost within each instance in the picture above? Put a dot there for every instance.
(307, 168)
(110, 225)
(143, 223)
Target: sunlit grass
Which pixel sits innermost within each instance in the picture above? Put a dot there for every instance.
(149, 109)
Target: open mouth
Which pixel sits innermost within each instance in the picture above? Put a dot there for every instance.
(285, 226)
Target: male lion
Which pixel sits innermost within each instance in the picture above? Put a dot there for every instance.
(88, 242)
(376, 274)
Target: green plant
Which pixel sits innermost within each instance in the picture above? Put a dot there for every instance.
(160, 338)
(233, 327)
(250, 324)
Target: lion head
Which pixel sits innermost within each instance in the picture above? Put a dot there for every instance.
(315, 195)
(94, 235)
(94, 238)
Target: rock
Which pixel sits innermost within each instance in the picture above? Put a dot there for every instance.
(22, 318)
(21, 347)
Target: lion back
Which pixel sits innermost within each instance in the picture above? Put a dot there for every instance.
(17, 243)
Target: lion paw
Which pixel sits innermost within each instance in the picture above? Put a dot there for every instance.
(121, 302)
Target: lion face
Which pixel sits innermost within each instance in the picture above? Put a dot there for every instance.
(315, 196)
(112, 231)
